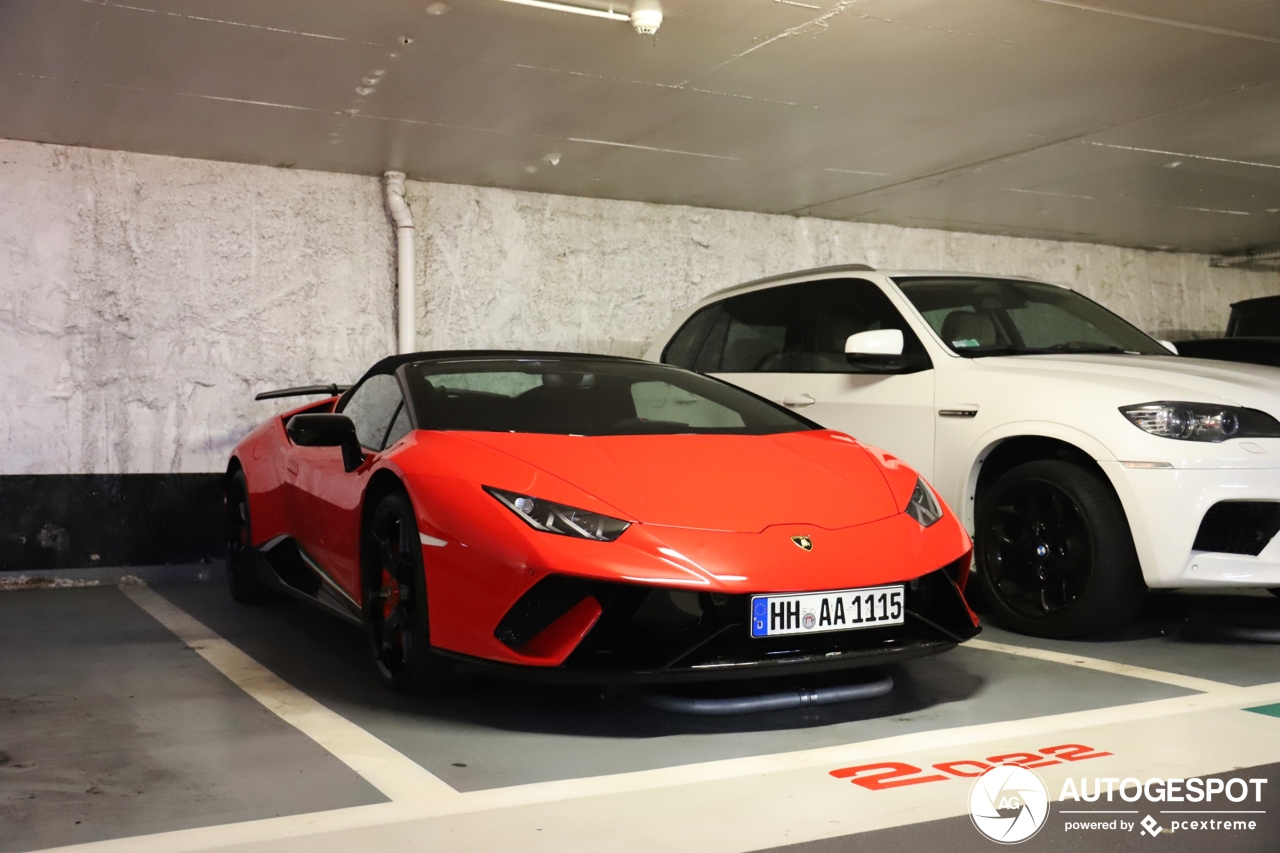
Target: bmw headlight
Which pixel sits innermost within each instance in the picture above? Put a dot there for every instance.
(557, 518)
(1201, 421)
(923, 506)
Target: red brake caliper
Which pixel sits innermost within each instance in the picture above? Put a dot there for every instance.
(390, 594)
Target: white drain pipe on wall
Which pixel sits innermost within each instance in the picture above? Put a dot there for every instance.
(406, 286)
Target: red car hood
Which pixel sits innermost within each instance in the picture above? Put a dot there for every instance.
(715, 482)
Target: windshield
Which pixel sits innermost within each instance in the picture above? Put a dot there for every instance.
(988, 316)
(585, 396)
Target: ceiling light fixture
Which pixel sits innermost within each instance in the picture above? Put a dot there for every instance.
(577, 10)
(645, 16)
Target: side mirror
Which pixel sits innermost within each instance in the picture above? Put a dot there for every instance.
(1170, 346)
(875, 346)
(324, 430)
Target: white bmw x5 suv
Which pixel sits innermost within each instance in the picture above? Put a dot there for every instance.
(1088, 460)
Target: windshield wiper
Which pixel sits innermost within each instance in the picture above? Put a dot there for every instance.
(1085, 346)
(1057, 349)
(979, 352)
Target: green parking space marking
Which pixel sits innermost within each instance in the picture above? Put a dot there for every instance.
(1269, 710)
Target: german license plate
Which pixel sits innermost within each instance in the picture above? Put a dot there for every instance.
(819, 612)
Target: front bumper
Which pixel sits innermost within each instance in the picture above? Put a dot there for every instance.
(1166, 508)
(641, 634)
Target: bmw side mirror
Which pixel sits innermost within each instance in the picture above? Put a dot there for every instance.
(325, 430)
(875, 347)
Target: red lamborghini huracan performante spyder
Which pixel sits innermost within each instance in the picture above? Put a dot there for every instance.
(593, 519)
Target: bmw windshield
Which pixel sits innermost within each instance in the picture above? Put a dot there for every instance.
(576, 395)
(988, 316)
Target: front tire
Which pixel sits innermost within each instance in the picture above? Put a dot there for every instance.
(1055, 555)
(396, 599)
(246, 585)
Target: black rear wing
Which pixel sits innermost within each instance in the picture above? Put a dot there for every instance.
(330, 390)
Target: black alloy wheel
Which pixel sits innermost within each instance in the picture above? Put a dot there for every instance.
(1055, 557)
(246, 585)
(396, 599)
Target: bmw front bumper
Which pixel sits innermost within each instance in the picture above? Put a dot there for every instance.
(1183, 541)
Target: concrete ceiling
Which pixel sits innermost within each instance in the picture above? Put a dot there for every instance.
(1148, 123)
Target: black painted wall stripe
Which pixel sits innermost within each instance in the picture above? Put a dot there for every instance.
(85, 520)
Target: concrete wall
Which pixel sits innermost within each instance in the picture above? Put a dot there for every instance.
(534, 270)
(144, 299)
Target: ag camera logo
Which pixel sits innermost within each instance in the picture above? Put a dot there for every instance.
(1009, 804)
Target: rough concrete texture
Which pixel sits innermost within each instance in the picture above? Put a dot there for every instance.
(531, 270)
(145, 299)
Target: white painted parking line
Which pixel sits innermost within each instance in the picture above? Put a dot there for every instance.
(619, 803)
(788, 806)
(1189, 682)
(250, 832)
(749, 804)
(1034, 727)
(398, 777)
(1187, 734)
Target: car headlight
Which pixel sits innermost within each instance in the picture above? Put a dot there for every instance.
(1201, 421)
(557, 518)
(923, 506)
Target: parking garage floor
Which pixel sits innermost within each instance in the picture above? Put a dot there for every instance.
(166, 718)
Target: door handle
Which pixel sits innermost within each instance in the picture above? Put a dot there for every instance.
(798, 400)
(291, 466)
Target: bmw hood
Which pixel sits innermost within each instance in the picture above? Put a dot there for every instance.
(715, 482)
(1144, 379)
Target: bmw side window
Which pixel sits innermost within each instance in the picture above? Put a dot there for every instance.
(844, 307)
(757, 332)
(683, 347)
(709, 355)
(371, 408)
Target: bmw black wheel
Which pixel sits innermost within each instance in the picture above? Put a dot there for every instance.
(1055, 556)
(246, 585)
(396, 599)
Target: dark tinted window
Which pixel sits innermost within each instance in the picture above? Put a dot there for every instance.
(371, 408)
(757, 332)
(583, 396)
(844, 307)
(991, 316)
(1258, 320)
(683, 347)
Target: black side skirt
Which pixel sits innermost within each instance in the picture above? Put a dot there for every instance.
(286, 568)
